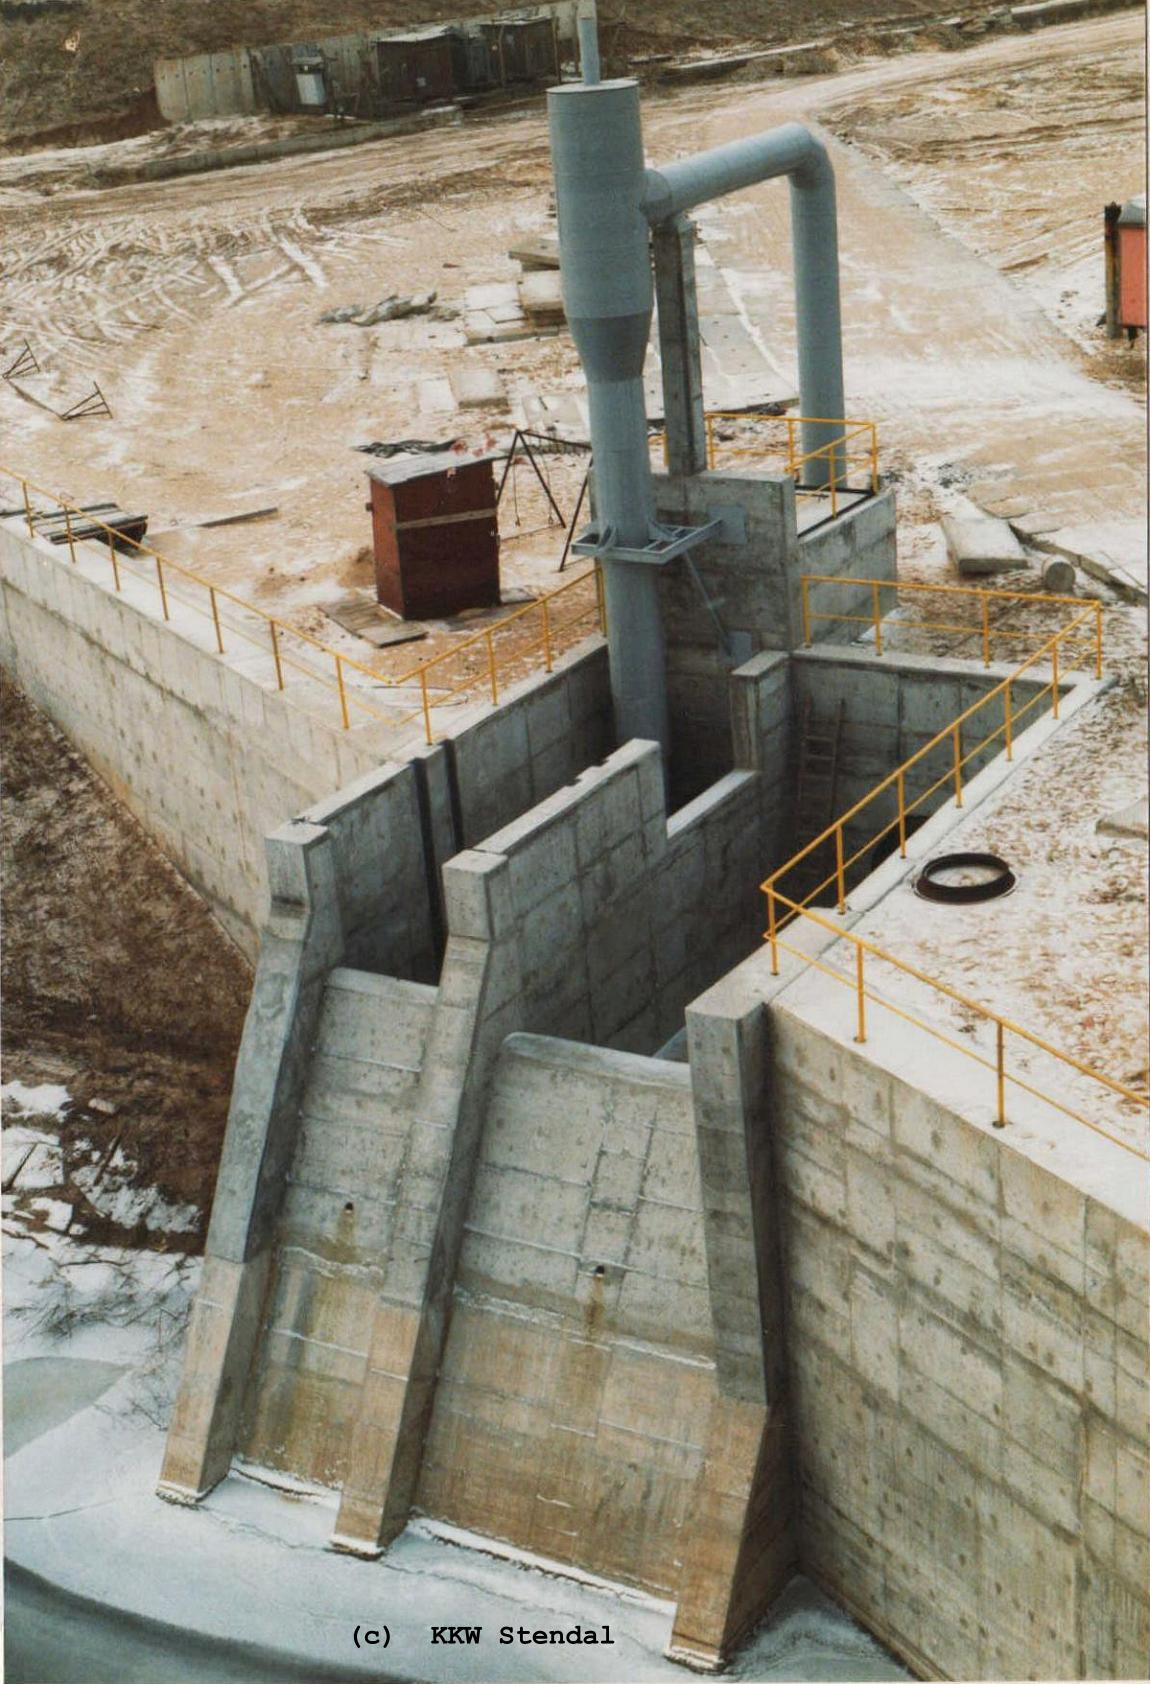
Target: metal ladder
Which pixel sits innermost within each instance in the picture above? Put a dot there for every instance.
(816, 789)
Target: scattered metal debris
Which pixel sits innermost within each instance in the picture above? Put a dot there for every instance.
(94, 405)
(54, 524)
(25, 364)
(407, 447)
(393, 308)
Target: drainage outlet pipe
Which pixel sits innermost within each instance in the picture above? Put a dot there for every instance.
(795, 152)
(608, 296)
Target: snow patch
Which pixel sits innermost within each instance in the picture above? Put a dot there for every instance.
(48, 1099)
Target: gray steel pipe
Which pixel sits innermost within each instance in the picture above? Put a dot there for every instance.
(588, 30)
(795, 152)
(608, 294)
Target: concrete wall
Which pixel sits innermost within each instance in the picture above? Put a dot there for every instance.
(893, 705)
(206, 759)
(754, 584)
(211, 762)
(953, 1318)
(578, 1379)
(622, 916)
(968, 1365)
(205, 85)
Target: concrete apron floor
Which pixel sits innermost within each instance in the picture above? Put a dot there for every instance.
(249, 1569)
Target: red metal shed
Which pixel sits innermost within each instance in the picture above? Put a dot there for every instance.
(436, 532)
(1132, 263)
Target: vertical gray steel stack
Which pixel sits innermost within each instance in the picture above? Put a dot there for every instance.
(606, 203)
(597, 152)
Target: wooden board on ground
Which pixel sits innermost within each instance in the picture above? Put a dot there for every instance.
(360, 614)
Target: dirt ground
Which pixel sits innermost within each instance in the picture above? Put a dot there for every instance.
(118, 986)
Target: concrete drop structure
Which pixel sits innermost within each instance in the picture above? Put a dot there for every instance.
(546, 1210)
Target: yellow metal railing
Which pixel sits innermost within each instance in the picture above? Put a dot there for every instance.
(1073, 645)
(853, 453)
(481, 658)
(1059, 648)
(980, 597)
(294, 651)
(854, 978)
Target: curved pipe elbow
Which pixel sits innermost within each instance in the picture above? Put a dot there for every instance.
(791, 150)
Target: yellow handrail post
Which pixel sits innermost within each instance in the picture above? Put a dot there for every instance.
(426, 704)
(273, 628)
(1000, 1064)
(342, 692)
(874, 459)
(546, 635)
(772, 930)
(1098, 640)
(901, 814)
(805, 590)
(957, 735)
(877, 616)
(112, 557)
(840, 877)
(68, 530)
(985, 629)
(790, 420)
(1008, 722)
(216, 620)
(861, 1036)
(1054, 679)
(28, 509)
(710, 419)
(492, 668)
(163, 588)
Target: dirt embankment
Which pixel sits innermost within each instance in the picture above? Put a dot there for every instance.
(78, 71)
(118, 984)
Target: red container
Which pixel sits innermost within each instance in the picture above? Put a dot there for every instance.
(1132, 264)
(436, 533)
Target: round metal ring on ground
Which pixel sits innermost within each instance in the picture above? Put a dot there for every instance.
(961, 879)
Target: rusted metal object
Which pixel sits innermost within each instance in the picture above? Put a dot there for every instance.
(417, 68)
(436, 535)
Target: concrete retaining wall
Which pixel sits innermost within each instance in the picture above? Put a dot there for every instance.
(206, 759)
(968, 1364)
(211, 762)
(622, 916)
(956, 1316)
(894, 705)
(755, 589)
(571, 1417)
(205, 85)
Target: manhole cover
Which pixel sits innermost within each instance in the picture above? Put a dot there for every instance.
(961, 879)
